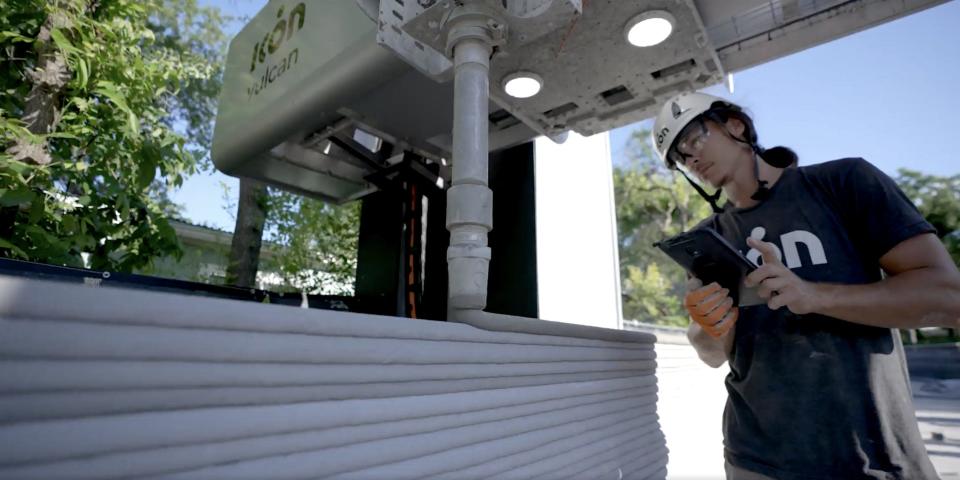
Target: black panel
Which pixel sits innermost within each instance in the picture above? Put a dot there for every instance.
(512, 288)
(379, 248)
(383, 286)
(434, 300)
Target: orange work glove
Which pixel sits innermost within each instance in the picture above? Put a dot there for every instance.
(712, 308)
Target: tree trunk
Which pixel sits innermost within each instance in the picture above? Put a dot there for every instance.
(41, 111)
(248, 234)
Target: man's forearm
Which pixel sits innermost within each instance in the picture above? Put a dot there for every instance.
(926, 297)
(712, 351)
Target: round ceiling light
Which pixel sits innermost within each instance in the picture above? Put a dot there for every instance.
(522, 84)
(649, 28)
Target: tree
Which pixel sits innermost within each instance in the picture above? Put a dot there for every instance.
(313, 244)
(90, 95)
(197, 33)
(938, 199)
(316, 242)
(244, 259)
(652, 203)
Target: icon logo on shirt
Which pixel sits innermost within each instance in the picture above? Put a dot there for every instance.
(789, 241)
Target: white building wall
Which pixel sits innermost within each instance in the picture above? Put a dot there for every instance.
(577, 266)
(579, 282)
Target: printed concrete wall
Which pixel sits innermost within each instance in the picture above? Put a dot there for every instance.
(105, 383)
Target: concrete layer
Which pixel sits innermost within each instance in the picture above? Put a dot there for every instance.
(114, 383)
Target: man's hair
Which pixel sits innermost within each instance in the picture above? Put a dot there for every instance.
(780, 156)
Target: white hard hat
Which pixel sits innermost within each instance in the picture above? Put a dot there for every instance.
(676, 114)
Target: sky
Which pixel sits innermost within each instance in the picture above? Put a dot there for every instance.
(888, 94)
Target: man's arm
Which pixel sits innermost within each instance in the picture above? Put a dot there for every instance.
(710, 304)
(922, 289)
(711, 350)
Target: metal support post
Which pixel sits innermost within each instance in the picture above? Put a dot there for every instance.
(471, 38)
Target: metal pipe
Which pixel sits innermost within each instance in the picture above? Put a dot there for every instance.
(470, 111)
(469, 200)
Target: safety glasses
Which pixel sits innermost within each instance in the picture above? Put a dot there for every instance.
(690, 142)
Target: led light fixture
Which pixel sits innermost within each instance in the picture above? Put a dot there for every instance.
(522, 84)
(649, 28)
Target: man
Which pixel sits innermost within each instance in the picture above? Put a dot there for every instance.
(818, 387)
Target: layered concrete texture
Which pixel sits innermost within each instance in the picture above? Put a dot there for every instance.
(111, 383)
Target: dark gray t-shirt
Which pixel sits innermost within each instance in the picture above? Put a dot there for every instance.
(814, 397)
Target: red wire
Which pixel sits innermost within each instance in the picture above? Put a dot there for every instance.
(583, 6)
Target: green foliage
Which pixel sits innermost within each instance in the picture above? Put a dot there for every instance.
(938, 199)
(315, 243)
(197, 35)
(133, 74)
(652, 203)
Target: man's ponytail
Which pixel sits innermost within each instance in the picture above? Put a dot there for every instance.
(779, 157)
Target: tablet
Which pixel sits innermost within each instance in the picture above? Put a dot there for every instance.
(706, 255)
